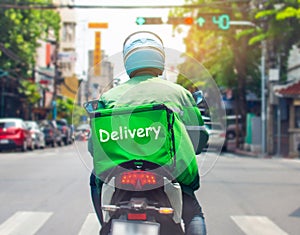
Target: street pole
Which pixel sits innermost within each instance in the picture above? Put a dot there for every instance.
(263, 99)
(55, 78)
(263, 85)
(55, 81)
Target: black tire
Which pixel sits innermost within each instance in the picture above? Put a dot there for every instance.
(61, 143)
(24, 146)
(53, 145)
(230, 135)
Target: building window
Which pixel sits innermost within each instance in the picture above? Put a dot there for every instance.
(297, 116)
(68, 32)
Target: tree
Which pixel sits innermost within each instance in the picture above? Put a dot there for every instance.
(281, 22)
(65, 107)
(228, 56)
(20, 31)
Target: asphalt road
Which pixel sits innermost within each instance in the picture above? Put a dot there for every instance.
(46, 192)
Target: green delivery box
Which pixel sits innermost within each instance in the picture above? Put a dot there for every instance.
(132, 133)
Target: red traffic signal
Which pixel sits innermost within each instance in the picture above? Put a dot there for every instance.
(180, 20)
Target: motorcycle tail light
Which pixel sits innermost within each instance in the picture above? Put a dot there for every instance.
(136, 216)
(138, 178)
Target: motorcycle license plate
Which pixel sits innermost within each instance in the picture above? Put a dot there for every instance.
(121, 227)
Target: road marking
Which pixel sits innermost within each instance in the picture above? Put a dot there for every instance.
(24, 222)
(257, 225)
(90, 226)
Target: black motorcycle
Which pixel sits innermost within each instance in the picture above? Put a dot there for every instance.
(140, 198)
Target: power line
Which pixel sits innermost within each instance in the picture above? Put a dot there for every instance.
(58, 6)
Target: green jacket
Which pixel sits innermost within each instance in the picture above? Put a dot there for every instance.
(148, 90)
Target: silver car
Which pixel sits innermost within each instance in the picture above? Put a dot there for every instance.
(37, 134)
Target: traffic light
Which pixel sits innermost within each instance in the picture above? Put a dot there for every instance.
(148, 20)
(209, 21)
(213, 21)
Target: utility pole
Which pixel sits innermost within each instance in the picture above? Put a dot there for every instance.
(55, 77)
(263, 84)
(263, 99)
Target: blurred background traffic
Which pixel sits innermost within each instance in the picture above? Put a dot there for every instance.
(55, 55)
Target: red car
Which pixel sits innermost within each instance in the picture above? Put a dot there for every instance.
(15, 135)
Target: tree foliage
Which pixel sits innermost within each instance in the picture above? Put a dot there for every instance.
(20, 30)
(65, 107)
(280, 22)
(29, 90)
(230, 59)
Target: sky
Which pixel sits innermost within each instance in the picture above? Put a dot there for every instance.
(121, 22)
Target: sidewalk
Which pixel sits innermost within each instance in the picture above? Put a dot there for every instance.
(241, 152)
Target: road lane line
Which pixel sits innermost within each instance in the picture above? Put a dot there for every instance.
(257, 225)
(90, 226)
(24, 222)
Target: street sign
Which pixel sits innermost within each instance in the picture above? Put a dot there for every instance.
(97, 50)
(66, 56)
(97, 54)
(98, 25)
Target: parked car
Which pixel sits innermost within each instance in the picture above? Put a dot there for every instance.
(53, 135)
(37, 134)
(217, 135)
(66, 131)
(15, 135)
(82, 132)
(234, 127)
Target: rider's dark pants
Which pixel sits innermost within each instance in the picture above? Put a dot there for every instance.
(192, 213)
(95, 194)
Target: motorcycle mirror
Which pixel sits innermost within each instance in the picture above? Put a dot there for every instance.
(198, 96)
(91, 106)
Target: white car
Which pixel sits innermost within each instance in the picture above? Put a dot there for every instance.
(217, 134)
(37, 134)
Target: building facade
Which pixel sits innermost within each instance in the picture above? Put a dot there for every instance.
(55, 63)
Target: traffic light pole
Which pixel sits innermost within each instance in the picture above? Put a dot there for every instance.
(263, 85)
(263, 99)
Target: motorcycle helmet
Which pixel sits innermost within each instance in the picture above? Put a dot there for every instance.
(143, 50)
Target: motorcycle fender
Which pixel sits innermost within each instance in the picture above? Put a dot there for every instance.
(108, 190)
(173, 191)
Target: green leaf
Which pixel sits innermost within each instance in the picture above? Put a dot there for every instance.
(257, 39)
(265, 13)
(289, 12)
(245, 32)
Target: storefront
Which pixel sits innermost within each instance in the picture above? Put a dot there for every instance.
(291, 93)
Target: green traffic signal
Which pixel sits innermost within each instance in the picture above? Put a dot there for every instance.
(223, 21)
(201, 21)
(148, 20)
(140, 20)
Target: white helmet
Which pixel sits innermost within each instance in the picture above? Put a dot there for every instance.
(143, 50)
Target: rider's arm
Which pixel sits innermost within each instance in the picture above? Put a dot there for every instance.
(193, 121)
